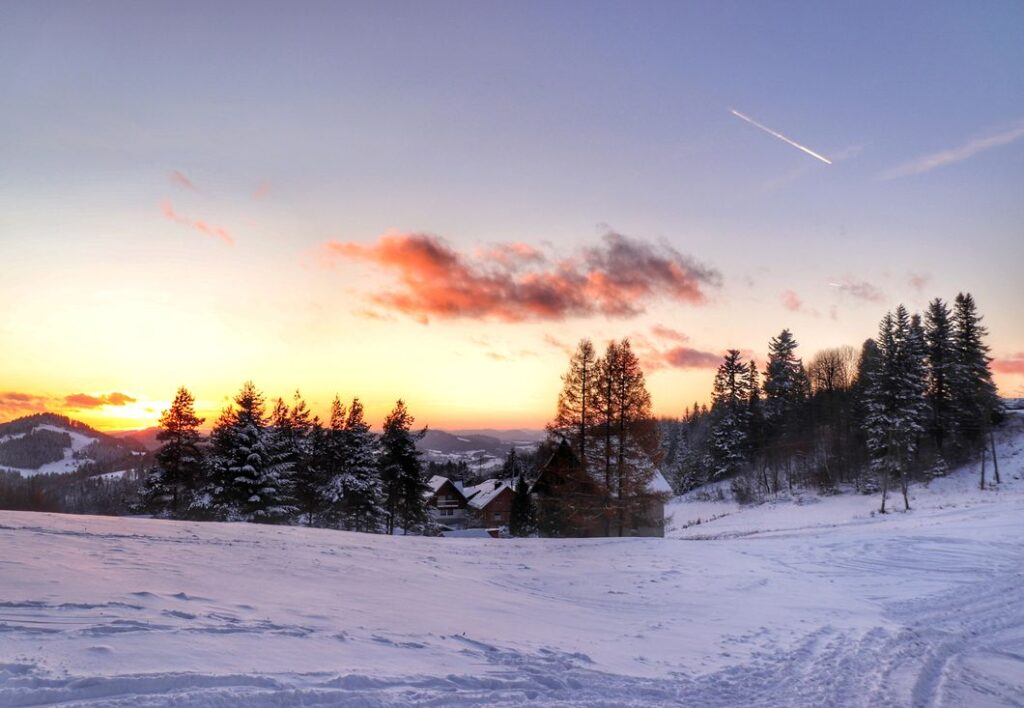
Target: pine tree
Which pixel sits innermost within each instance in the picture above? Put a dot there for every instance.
(730, 411)
(511, 469)
(975, 402)
(404, 486)
(364, 490)
(941, 364)
(785, 380)
(179, 462)
(574, 416)
(523, 516)
(897, 408)
(247, 480)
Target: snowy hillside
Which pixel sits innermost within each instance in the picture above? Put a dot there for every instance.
(51, 444)
(810, 603)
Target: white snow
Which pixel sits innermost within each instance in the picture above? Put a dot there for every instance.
(809, 602)
(79, 441)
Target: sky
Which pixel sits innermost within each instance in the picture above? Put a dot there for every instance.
(437, 200)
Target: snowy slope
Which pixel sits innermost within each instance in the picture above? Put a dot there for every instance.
(813, 604)
(79, 441)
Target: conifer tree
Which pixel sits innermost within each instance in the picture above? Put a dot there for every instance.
(179, 461)
(574, 416)
(523, 516)
(364, 490)
(975, 403)
(941, 364)
(404, 486)
(248, 480)
(730, 411)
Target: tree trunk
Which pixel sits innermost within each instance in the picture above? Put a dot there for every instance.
(982, 484)
(995, 460)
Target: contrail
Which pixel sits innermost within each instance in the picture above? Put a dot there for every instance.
(780, 136)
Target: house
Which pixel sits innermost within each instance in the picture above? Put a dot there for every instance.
(570, 502)
(446, 502)
(490, 503)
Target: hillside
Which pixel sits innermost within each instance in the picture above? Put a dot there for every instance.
(47, 443)
(813, 601)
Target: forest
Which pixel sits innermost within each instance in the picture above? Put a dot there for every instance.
(912, 402)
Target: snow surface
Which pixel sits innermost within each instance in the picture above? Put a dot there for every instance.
(79, 442)
(812, 601)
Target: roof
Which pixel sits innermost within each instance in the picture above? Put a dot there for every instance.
(435, 483)
(658, 484)
(480, 495)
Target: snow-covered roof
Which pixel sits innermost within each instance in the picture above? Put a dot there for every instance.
(436, 482)
(658, 484)
(480, 495)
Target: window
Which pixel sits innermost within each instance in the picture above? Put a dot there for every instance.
(497, 516)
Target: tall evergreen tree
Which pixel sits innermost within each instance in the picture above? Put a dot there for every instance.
(179, 461)
(248, 480)
(404, 486)
(897, 408)
(730, 412)
(574, 416)
(941, 364)
(523, 515)
(976, 405)
(363, 495)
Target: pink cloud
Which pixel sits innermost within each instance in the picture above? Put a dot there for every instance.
(918, 281)
(516, 282)
(197, 224)
(667, 333)
(791, 301)
(261, 192)
(1013, 364)
(182, 180)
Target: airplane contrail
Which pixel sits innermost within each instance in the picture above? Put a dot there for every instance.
(780, 136)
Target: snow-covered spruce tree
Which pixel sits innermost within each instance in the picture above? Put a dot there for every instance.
(284, 443)
(363, 497)
(786, 388)
(512, 468)
(334, 452)
(246, 480)
(169, 485)
(523, 516)
(897, 408)
(868, 364)
(975, 403)
(308, 474)
(574, 417)
(404, 486)
(941, 362)
(730, 413)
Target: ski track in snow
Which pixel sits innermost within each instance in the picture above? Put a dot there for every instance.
(772, 606)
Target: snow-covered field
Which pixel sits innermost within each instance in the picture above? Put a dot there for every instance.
(816, 603)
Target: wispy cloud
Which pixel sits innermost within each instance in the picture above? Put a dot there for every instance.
(959, 153)
(667, 333)
(859, 290)
(182, 180)
(197, 224)
(85, 400)
(781, 137)
(515, 282)
(792, 302)
(918, 281)
(261, 192)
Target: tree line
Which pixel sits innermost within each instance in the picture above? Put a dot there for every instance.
(915, 399)
(288, 466)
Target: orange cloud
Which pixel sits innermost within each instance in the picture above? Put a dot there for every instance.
(14, 404)
(84, 400)
(197, 224)
(516, 282)
(1013, 364)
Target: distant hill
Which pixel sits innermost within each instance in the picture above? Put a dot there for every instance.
(474, 448)
(145, 438)
(47, 443)
(519, 436)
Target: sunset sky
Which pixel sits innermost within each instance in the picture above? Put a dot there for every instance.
(436, 200)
